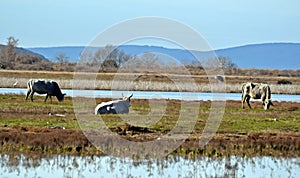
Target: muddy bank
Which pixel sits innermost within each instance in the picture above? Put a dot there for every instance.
(38, 140)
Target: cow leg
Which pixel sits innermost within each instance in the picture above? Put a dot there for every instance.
(28, 92)
(243, 103)
(46, 98)
(243, 100)
(248, 102)
(31, 96)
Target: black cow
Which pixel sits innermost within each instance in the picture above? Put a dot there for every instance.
(42, 86)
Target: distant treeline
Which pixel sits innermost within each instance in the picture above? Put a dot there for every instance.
(111, 59)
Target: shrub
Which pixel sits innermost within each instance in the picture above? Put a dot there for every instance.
(284, 82)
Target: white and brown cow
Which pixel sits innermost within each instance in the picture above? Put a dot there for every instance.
(256, 91)
(114, 107)
(42, 86)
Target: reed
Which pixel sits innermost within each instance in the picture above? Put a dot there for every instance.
(86, 84)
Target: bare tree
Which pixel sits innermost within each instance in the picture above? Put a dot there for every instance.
(10, 52)
(150, 60)
(112, 56)
(86, 56)
(225, 63)
(62, 59)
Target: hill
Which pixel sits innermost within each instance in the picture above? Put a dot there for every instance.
(22, 59)
(23, 51)
(265, 56)
(259, 56)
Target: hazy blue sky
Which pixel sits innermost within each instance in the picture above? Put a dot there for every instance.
(223, 23)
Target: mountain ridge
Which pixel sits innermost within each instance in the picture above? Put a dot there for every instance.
(277, 55)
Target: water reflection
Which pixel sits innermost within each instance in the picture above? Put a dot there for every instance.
(105, 166)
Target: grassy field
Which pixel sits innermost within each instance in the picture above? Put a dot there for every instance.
(283, 117)
(24, 123)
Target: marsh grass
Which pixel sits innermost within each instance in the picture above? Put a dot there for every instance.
(182, 86)
(238, 125)
(283, 117)
(16, 111)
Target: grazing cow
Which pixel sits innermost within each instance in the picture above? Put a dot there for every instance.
(41, 86)
(114, 107)
(256, 91)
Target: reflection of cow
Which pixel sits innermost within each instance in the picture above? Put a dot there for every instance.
(256, 91)
(114, 107)
(48, 87)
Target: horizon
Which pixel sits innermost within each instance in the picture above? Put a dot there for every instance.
(223, 25)
(252, 44)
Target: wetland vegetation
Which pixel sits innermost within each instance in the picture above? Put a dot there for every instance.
(30, 127)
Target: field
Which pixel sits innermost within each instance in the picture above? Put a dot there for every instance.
(54, 128)
(35, 127)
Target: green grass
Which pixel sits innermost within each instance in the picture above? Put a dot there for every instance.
(16, 111)
(259, 120)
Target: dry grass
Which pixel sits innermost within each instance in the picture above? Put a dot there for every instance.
(152, 81)
(7, 82)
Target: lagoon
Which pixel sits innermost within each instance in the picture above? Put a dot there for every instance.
(196, 96)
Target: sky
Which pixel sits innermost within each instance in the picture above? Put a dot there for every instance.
(222, 23)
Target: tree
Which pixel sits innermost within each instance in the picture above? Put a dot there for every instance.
(62, 58)
(10, 52)
(9, 55)
(225, 63)
(108, 54)
(150, 61)
(86, 56)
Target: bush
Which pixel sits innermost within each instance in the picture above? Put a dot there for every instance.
(284, 82)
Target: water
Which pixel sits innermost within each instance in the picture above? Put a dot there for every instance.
(156, 94)
(105, 166)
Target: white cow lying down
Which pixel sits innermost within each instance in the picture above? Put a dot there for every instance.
(114, 107)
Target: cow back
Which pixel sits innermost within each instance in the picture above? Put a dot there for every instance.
(48, 87)
(40, 86)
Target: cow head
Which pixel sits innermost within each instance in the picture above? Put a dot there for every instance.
(128, 97)
(61, 97)
(267, 103)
